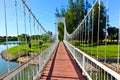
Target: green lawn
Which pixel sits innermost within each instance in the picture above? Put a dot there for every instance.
(24, 47)
(111, 49)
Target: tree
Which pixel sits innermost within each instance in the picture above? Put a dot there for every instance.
(73, 14)
(112, 33)
(44, 37)
(80, 9)
(57, 14)
(71, 17)
(50, 33)
(24, 37)
(40, 43)
(87, 6)
(61, 31)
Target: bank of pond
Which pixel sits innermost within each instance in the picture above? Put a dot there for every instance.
(13, 53)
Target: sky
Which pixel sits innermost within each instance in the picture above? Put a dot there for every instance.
(44, 11)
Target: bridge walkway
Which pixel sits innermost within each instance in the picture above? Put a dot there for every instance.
(62, 66)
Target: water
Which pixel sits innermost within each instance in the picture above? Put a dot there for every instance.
(4, 63)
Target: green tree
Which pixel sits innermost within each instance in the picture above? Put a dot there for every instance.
(24, 37)
(40, 43)
(57, 14)
(44, 37)
(71, 17)
(50, 33)
(61, 31)
(112, 33)
(73, 14)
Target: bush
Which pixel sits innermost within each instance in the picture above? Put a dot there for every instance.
(29, 45)
(40, 43)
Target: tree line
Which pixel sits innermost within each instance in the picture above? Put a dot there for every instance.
(10, 38)
(75, 13)
(25, 37)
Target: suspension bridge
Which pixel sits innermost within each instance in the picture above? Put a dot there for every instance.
(72, 59)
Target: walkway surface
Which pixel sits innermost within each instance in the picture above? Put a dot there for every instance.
(61, 66)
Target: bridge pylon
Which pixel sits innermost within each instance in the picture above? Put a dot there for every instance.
(62, 20)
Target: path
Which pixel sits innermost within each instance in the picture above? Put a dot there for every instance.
(61, 66)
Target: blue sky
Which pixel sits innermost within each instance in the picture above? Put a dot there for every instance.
(44, 10)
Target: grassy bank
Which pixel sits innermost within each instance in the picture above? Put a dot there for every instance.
(111, 49)
(23, 48)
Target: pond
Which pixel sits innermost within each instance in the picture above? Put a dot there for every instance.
(4, 63)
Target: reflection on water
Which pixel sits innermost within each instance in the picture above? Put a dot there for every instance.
(4, 63)
(13, 42)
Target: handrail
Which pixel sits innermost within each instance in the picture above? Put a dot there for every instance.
(15, 71)
(105, 68)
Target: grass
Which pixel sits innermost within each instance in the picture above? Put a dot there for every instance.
(25, 47)
(111, 49)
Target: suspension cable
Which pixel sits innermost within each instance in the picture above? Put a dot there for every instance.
(6, 34)
(33, 16)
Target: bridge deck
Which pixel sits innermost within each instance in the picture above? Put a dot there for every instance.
(61, 66)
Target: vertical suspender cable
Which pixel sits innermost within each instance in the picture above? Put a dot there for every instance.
(30, 44)
(17, 27)
(25, 28)
(40, 36)
(98, 31)
(16, 20)
(118, 44)
(34, 33)
(38, 47)
(106, 28)
(34, 44)
(82, 36)
(98, 27)
(6, 33)
(106, 33)
(79, 36)
(17, 32)
(92, 36)
(88, 36)
(98, 34)
(85, 35)
(30, 30)
(88, 31)
(25, 36)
